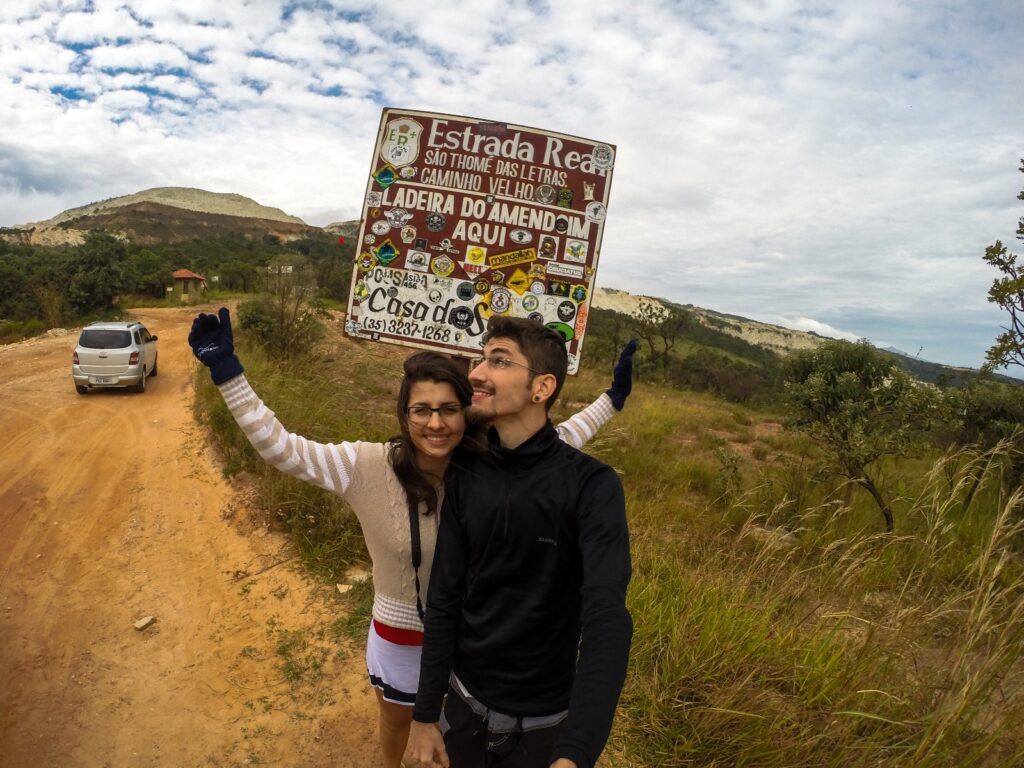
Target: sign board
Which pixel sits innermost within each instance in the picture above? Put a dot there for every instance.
(465, 218)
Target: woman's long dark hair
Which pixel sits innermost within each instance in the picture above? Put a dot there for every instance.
(424, 366)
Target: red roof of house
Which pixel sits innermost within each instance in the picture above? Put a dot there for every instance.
(184, 274)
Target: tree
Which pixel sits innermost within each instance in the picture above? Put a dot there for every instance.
(151, 273)
(14, 303)
(1008, 293)
(857, 402)
(237, 275)
(989, 413)
(283, 319)
(99, 273)
(660, 327)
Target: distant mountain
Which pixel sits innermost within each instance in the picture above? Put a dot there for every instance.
(781, 340)
(771, 337)
(896, 351)
(164, 215)
(937, 373)
(343, 228)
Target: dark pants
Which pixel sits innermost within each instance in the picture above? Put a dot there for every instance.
(470, 745)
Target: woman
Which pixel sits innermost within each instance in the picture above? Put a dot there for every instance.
(394, 488)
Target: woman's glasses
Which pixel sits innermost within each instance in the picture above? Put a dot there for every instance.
(420, 414)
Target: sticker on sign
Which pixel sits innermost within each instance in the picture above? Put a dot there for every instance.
(486, 209)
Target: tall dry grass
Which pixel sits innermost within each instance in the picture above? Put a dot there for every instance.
(774, 624)
(769, 646)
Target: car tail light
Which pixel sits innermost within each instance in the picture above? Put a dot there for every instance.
(134, 359)
(74, 357)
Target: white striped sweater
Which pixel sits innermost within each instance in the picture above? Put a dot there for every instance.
(361, 474)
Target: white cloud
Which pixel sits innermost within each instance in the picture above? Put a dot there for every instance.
(813, 326)
(846, 163)
(141, 55)
(104, 23)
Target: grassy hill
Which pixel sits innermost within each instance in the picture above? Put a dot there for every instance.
(775, 624)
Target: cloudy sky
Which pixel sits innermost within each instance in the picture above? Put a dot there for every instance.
(831, 166)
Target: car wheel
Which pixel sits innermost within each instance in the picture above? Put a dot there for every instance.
(80, 389)
(153, 372)
(141, 386)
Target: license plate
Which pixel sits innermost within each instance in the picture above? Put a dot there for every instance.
(103, 380)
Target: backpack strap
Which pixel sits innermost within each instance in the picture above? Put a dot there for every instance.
(414, 537)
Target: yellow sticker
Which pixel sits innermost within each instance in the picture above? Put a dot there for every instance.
(511, 258)
(484, 307)
(518, 282)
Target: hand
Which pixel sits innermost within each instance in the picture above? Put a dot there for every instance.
(426, 744)
(622, 377)
(213, 344)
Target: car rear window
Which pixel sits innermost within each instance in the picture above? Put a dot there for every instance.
(97, 339)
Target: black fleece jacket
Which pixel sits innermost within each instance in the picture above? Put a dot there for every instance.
(527, 597)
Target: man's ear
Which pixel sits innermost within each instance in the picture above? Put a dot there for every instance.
(543, 387)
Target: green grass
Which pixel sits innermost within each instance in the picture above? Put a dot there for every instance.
(844, 647)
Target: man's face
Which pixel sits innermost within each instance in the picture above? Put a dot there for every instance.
(501, 383)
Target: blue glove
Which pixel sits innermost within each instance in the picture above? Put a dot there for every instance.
(213, 344)
(622, 377)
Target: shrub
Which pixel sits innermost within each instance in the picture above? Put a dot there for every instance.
(284, 334)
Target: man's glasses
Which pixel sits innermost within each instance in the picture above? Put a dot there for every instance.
(498, 363)
(420, 414)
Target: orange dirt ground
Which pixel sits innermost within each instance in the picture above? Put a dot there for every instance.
(112, 508)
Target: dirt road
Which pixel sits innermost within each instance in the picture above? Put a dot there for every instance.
(112, 509)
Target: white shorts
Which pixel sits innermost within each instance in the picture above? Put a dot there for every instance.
(394, 669)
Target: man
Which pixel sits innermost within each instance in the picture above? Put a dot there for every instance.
(526, 629)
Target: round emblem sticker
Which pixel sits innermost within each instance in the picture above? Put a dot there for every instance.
(435, 221)
(464, 291)
(545, 194)
(501, 300)
(461, 317)
(482, 286)
(398, 217)
(380, 227)
(520, 236)
(566, 311)
(561, 224)
(602, 157)
(537, 287)
(530, 302)
(595, 211)
(407, 172)
(536, 317)
(442, 266)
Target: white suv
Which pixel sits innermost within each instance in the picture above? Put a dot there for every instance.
(113, 355)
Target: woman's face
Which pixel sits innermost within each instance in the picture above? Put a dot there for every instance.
(435, 437)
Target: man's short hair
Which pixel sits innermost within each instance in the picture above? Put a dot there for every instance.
(543, 347)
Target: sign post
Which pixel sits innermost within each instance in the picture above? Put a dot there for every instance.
(465, 218)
